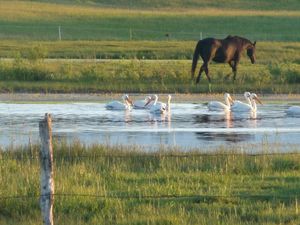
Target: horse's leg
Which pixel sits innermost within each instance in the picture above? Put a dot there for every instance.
(235, 64)
(234, 70)
(200, 72)
(231, 64)
(207, 73)
(208, 77)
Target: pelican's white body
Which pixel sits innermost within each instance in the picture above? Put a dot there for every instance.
(250, 106)
(293, 110)
(117, 105)
(220, 106)
(160, 107)
(140, 104)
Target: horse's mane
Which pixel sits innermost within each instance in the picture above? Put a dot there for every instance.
(244, 40)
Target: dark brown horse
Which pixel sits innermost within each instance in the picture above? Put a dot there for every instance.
(228, 50)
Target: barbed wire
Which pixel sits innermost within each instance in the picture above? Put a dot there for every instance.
(131, 33)
(156, 155)
(172, 196)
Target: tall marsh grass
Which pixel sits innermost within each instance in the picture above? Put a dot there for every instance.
(142, 76)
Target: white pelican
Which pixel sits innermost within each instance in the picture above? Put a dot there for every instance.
(140, 104)
(247, 95)
(293, 110)
(237, 105)
(117, 105)
(244, 107)
(159, 107)
(220, 106)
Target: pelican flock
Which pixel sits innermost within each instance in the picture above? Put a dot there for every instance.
(150, 102)
(236, 106)
(154, 106)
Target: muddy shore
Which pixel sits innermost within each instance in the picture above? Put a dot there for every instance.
(24, 97)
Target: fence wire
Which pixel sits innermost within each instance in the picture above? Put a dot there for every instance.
(145, 197)
(69, 32)
(156, 155)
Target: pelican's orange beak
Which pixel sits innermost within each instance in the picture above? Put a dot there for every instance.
(257, 99)
(150, 99)
(129, 101)
(230, 100)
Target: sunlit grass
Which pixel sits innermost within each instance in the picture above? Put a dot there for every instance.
(48, 11)
(40, 21)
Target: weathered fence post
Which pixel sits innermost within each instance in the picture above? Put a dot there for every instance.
(130, 34)
(59, 33)
(46, 158)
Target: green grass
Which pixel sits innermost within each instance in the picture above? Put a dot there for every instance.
(223, 187)
(40, 21)
(167, 76)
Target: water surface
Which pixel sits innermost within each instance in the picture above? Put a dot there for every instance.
(188, 125)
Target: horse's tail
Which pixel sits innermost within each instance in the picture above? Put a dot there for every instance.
(195, 58)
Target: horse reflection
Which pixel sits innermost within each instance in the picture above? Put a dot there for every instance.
(226, 120)
(215, 119)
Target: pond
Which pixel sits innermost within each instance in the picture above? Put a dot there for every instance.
(188, 125)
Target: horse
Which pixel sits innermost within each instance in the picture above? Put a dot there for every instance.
(228, 50)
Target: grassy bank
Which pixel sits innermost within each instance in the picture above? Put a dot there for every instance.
(40, 21)
(167, 76)
(118, 185)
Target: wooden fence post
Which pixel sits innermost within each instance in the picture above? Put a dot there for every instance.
(59, 33)
(46, 158)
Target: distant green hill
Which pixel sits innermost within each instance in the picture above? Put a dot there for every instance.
(84, 21)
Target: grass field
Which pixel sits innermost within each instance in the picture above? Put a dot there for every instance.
(110, 185)
(40, 21)
(277, 69)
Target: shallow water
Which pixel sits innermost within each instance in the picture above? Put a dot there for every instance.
(188, 125)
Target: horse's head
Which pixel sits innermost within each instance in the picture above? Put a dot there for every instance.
(251, 52)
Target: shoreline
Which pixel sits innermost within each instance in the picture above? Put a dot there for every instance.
(96, 97)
